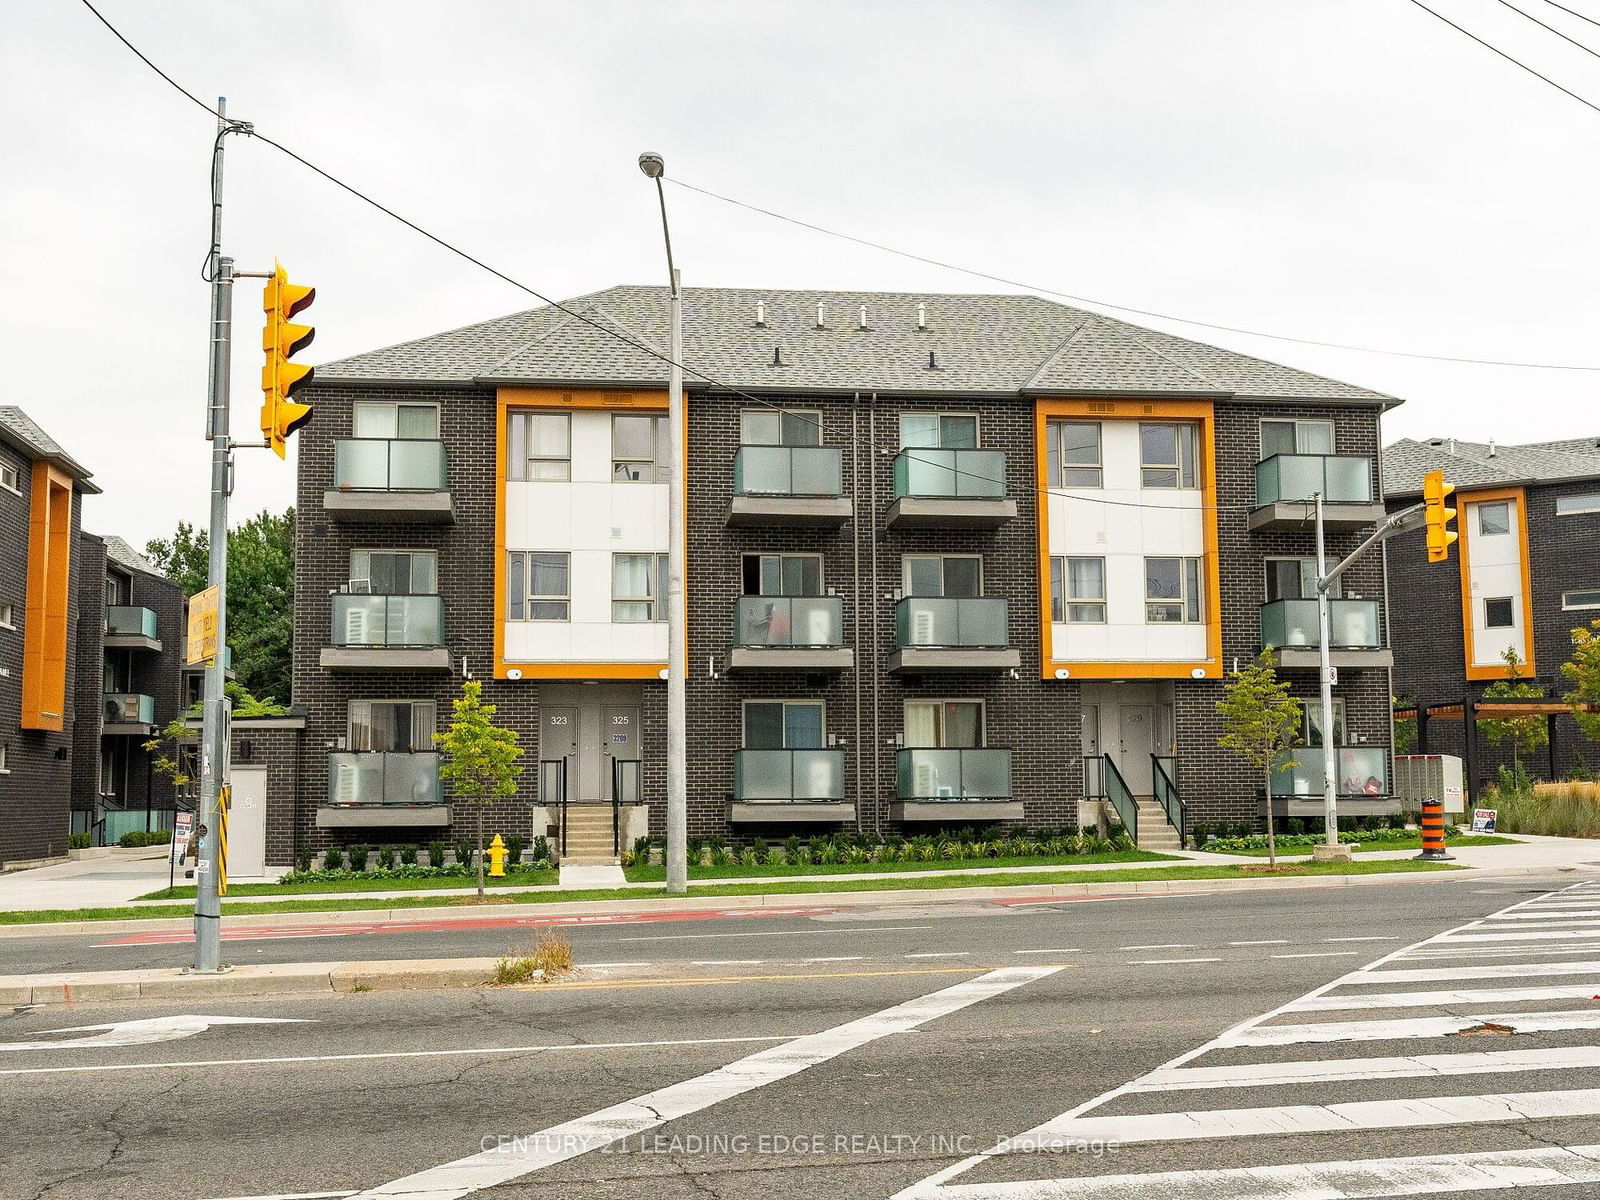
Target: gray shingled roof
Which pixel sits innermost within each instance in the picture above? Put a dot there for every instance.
(120, 552)
(22, 431)
(981, 344)
(1484, 464)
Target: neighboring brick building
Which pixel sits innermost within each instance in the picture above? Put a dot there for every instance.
(1524, 573)
(41, 492)
(889, 627)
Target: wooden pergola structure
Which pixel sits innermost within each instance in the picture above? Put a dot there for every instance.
(1470, 711)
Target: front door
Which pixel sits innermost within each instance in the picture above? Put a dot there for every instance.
(559, 743)
(621, 725)
(1136, 743)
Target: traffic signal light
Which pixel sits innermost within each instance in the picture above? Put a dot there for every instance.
(281, 378)
(1434, 493)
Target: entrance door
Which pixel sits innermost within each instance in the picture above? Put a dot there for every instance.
(559, 742)
(247, 823)
(1092, 765)
(621, 753)
(1136, 743)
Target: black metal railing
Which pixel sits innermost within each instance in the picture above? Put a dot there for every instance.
(627, 787)
(553, 793)
(1163, 771)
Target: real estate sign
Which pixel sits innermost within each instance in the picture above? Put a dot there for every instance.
(1484, 819)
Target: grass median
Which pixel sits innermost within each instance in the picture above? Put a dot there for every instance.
(521, 879)
(1413, 843)
(777, 887)
(657, 874)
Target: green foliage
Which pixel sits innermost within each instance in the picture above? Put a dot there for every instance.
(479, 757)
(78, 841)
(1561, 810)
(464, 850)
(1259, 722)
(302, 859)
(436, 851)
(1405, 731)
(385, 858)
(541, 849)
(1525, 734)
(408, 856)
(140, 837)
(514, 845)
(332, 859)
(163, 751)
(1583, 673)
(260, 592)
(358, 857)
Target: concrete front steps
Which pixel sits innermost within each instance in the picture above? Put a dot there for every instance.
(1154, 832)
(589, 835)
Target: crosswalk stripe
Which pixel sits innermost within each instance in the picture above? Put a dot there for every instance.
(1521, 935)
(1412, 1027)
(1496, 971)
(1491, 1108)
(1358, 1179)
(1482, 952)
(1582, 914)
(1334, 1070)
(1337, 1001)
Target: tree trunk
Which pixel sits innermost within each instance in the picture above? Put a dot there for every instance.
(1272, 840)
(479, 807)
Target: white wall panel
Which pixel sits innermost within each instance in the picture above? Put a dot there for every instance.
(1494, 566)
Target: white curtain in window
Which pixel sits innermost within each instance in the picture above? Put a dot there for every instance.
(921, 724)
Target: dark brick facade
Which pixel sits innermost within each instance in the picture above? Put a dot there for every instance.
(89, 682)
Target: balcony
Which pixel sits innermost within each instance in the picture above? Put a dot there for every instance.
(954, 785)
(1363, 782)
(789, 633)
(128, 712)
(131, 628)
(386, 633)
(383, 788)
(789, 786)
(788, 486)
(390, 480)
(950, 489)
(1290, 627)
(1287, 483)
(952, 633)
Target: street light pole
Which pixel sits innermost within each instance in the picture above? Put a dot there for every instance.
(1331, 848)
(654, 167)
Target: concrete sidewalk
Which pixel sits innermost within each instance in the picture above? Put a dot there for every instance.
(1554, 853)
(87, 883)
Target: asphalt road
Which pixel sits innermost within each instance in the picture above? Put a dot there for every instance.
(875, 1049)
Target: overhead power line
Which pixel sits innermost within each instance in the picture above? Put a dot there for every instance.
(1572, 12)
(1551, 28)
(1517, 62)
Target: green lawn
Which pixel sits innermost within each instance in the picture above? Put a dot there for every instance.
(776, 888)
(539, 878)
(781, 871)
(1411, 843)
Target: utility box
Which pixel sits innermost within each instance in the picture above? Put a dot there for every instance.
(1419, 777)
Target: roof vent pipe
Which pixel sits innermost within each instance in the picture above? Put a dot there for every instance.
(1452, 445)
(819, 315)
(933, 363)
(922, 315)
(1491, 447)
(863, 317)
(777, 356)
(761, 313)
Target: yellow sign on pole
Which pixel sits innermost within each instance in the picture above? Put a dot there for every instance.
(224, 802)
(202, 640)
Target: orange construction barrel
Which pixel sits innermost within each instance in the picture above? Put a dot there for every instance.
(1433, 832)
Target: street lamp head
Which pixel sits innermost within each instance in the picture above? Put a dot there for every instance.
(652, 164)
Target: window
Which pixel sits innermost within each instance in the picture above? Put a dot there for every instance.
(944, 431)
(1314, 722)
(1166, 455)
(194, 688)
(540, 447)
(770, 427)
(373, 420)
(1296, 437)
(942, 575)
(1078, 590)
(105, 779)
(783, 575)
(1295, 579)
(8, 477)
(1499, 613)
(1567, 506)
(118, 588)
(1072, 450)
(1583, 599)
(783, 725)
(944, 724)
(7, 616)
(1495, 518)
(639, 449)
(394, 572)
(397, 726)
(538, 585)
(638, 587)
(1172, 590)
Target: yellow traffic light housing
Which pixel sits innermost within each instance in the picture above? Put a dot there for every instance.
(281, 340)
(1434, 493)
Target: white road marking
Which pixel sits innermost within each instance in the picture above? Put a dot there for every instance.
(941, 954)
(521, 1156)
(1334, 1070)
(1501, 952)
(1495, 971)
(1380, 937)
(142, 1032)
(1297, 1119)
(1321, 954)
(1067, 950)
(836, 958)
(1551, 915)
(1358, 1179)
(293, 1196)
(309, 1058)
(1521, 935)
(1161, 946)
(1414, 1027)
(678, 937)
(727, 962)
(619, 964)
(1267, 942)
(1157, 962)
(1337, 1001)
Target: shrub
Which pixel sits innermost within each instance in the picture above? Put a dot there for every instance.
(549, 958)
(302, 860)
(749, 858)
(332, 859)
(1555, 810)
(464, 851)
(358, 857)
(514, 844)
(78, 841)
(541, 850)
(141, 837)
(385, 858)
(408, 856)
(436, 853)
(761, 850)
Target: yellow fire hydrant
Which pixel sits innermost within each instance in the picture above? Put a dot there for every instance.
(497, 857)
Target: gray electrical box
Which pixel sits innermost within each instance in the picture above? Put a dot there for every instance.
(1419, 777)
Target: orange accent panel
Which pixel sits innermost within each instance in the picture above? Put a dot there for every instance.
(1201, 411)
(44, 647)
(521, 397)
(1479, 674)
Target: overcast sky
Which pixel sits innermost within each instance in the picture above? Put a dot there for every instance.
(1351, 171)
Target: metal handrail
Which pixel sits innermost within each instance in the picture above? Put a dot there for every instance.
(1166, 790)
(618, 773)
(1121, 797)
(561, 803)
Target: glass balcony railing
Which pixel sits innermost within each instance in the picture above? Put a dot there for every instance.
(1352, 624)
(972, 774)
(799, 622)
(952, 622)
(368, 620)
(129, 708)
(1339, 478)
(124, 620)
(788, 471)
(930, 473)
(1363, 771)
(389, 465)
(794, 775)
(377, 777)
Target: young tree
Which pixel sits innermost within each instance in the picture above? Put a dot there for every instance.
(1525, 734)
(480, 758)
(1259, 721)
(1583, 672)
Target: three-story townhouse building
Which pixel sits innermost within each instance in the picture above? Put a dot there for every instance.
(950, 559)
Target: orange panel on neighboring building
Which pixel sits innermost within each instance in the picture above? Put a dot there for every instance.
(44, 648)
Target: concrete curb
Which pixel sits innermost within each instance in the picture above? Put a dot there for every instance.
(785, 900)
